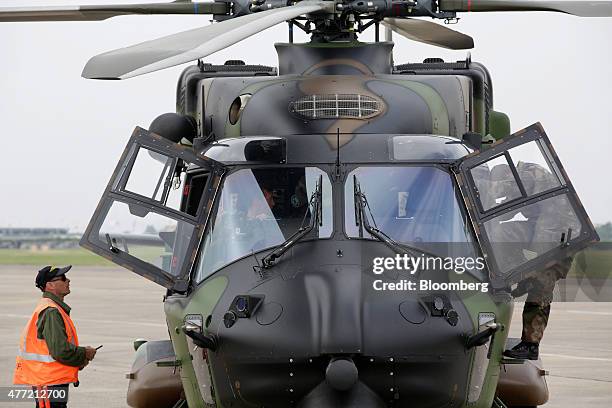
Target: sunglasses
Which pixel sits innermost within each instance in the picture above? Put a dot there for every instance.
(62, 278)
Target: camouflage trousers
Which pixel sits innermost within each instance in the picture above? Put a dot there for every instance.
(539, 298)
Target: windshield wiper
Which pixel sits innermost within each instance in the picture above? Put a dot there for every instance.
(361, 220)
(316, 219)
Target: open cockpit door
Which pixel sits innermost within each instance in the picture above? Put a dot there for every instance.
(152, 214)
(524, 210)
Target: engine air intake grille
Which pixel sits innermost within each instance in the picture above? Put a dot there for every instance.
(335, 106)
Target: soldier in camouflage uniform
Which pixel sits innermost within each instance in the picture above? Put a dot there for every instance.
(536, 310)
(548, 223)
(525, 234)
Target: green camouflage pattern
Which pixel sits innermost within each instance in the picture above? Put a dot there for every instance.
(539, 298)
(203, 300)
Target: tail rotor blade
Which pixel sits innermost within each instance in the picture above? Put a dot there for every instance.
(102, 12)
(581, 8)
(188, 45)
(429, 33)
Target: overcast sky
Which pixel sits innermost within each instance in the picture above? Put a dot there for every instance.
(61, 134)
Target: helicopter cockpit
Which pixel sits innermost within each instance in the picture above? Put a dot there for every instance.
(235, 198)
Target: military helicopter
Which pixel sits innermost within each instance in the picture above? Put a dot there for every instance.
(262, 203)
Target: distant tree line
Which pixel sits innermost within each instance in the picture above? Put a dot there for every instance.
(605, 231)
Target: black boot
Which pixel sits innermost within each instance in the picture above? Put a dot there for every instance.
(524, 351)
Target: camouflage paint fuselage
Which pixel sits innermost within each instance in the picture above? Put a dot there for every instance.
(318, 305)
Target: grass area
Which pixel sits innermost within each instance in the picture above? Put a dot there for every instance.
(77, 256)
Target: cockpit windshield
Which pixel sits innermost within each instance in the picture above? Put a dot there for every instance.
(414, 206)
(259, 209)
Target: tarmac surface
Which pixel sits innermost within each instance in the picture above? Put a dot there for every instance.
(113, 307)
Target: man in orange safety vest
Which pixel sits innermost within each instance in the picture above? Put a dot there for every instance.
(49, 356)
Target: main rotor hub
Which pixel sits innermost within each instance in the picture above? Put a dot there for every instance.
(343, 19)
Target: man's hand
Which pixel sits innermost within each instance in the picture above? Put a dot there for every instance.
(90, 353)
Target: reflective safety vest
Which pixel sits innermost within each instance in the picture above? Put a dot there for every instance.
(35, 365)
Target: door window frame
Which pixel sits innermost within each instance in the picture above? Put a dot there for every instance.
(479, 216)
(115, 192)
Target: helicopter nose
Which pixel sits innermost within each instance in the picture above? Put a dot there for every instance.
(341, 374)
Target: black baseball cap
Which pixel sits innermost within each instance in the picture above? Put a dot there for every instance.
(49, 272)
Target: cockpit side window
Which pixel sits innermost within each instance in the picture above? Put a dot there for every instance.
(521, 172)
(193, 191)
(525, 211)
(151, 214)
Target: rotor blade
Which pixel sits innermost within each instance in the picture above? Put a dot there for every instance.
(429, 33)
(582, 8)
(189, 45)
(102, 12)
